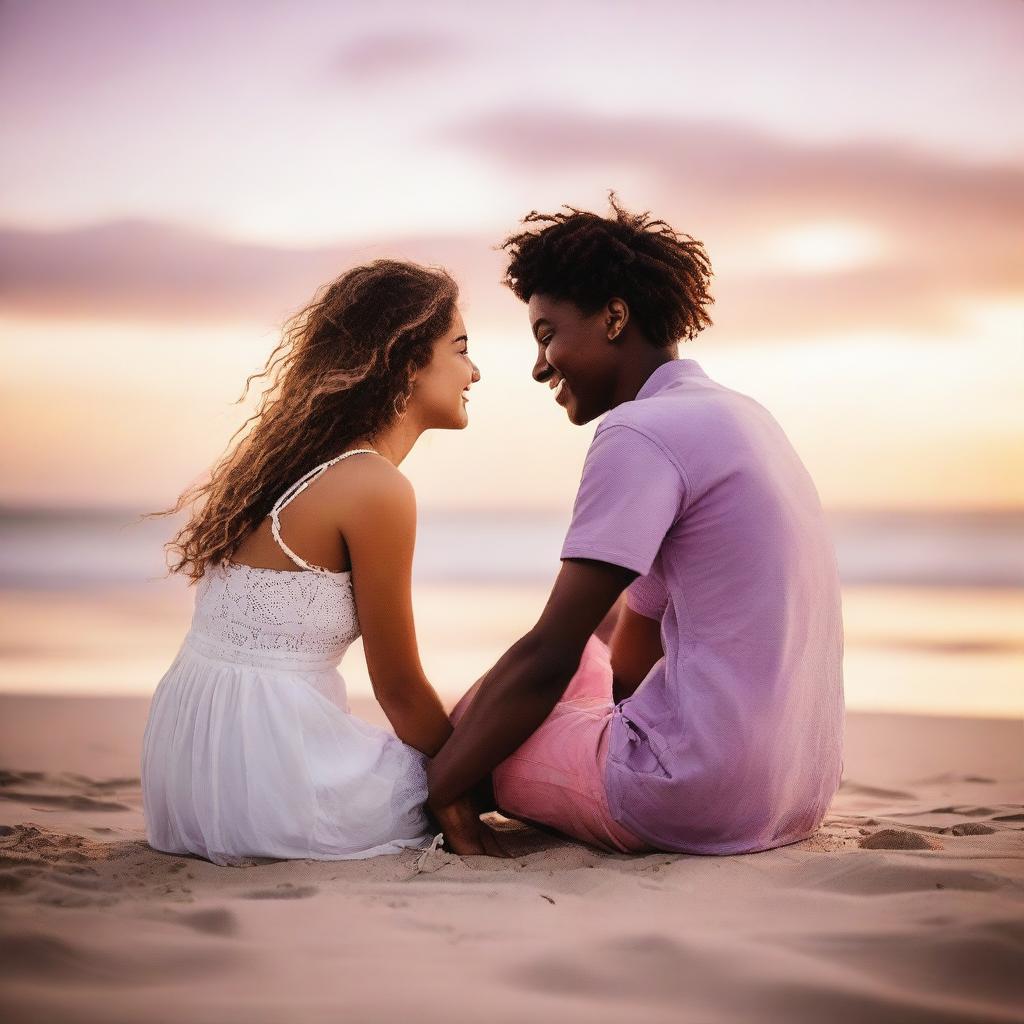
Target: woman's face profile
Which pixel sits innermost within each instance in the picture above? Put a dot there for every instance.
(440, 392)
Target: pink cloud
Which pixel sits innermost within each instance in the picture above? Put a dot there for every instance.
(141, 269)
(729, 173)
(955, 231)
(377, 56)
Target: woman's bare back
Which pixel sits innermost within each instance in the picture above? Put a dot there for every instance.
(312, 524)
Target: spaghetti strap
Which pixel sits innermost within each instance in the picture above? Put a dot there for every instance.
(293, 492)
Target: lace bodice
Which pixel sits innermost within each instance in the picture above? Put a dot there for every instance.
(256, 610)
(311, 614)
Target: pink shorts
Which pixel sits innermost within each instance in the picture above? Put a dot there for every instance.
(556, 778)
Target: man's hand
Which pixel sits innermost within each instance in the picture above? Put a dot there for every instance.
(518, 693)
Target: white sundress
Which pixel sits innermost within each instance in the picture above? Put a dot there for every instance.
(250, 749)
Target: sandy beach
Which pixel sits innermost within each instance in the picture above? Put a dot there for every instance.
(729, 295)
(907, 906)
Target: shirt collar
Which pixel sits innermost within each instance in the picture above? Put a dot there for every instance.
(667, 374)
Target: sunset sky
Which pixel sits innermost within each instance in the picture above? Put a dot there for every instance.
(177, 177)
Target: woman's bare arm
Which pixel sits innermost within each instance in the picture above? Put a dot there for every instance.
(380, 531)
(379, 527)
(635, 649)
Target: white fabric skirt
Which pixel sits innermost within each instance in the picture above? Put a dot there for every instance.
(263, 759)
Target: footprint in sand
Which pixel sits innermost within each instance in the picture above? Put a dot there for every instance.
(13, 882)
(66, 791)
(898, 839)
(45, 957)
(969, 828)
(945, 778)
(875, 792)
(75, 802)
(970, 812)
(285, 891)
(212, 921)
(124, 782)
(8, 777)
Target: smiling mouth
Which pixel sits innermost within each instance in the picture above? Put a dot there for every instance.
(560, 389)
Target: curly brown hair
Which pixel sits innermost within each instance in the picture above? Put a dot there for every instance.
(587, 259)
(342, 372)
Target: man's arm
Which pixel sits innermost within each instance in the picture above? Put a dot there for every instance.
(635, 649)
(518, 693)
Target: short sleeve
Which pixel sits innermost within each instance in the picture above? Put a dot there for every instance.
(630, 496)
(647, 596)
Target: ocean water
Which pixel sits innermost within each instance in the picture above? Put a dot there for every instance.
(58, 549)
(933, 604)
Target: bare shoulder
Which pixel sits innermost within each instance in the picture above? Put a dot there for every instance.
(365, 487)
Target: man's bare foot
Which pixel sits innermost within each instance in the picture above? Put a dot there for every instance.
(491, 841)
(460, 823)
(464, 832)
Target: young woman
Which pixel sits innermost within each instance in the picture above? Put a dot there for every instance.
(303, 541)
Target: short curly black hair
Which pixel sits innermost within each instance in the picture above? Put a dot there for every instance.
(581, 257)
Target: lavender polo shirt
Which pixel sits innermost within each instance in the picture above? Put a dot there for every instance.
(733, 742)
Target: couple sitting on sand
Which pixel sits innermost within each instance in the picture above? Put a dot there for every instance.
(702, 714)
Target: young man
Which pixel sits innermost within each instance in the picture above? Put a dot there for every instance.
(715, 724)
